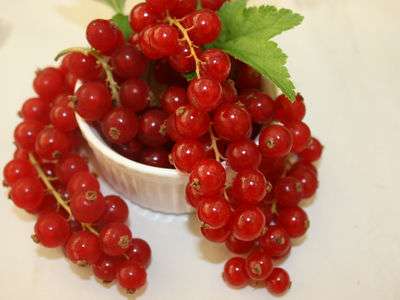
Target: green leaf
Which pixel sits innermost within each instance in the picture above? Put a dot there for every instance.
(190, 76)
(246, 34)
(116, 5)
(122, 23)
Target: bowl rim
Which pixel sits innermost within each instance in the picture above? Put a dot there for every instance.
(96, 142)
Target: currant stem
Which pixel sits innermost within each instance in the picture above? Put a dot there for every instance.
(102, 61)
(184, 31)
(214, 146)
(60, 201)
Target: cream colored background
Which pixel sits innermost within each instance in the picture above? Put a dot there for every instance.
(345, 60)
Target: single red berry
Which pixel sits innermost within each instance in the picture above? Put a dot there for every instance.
(161, 6)
(243, 155)
(278, 282)
(83, 66)
(191, 122)
(235, 272)
(214, 212)
(248, 224)
(131, 276)
(70, 165)
(301, 135)
(140, 252)
(27, 193)
(258, 265)
(130, 150)
(186, 153)
(128, 62)
(288, 191)
(248, 78)
(312, 152)
(285, 110)
(21, 153)
(52, 230)
(35, 109)
(229, 92)
(275, 241)
(52, 144)
(63, 118)
(17, 169)
(87, 206)
(193, 197)
(183, 8)
(146, 45)
(115, 239)
(250, 186)
(106, 267)
(93, 100)
(164, 39)
(116, 211)
(275, 141)
(83, 248)
(216, 235)
(120, 126)
(155, 157)
(308, 179)
(204, 25)
(103, 35)
(49, 83)
(172, 132)
(26, 132)
(215, 65)
(135, 94)
(141, 16)
(232, 122)
(294, 220)
(82, 181)
(212, 4)
(208, 177)
(153, 128)
(259, 105)
(204, 94)
(182, 61)
(173, 98)
(237, 246)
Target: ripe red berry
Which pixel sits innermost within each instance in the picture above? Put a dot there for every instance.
(216, 235)
(130, 150)
(182, 61)
(164, 39)
(120, 126)
(204, 25)
(161, 6)
(83, 248)
(131, 276)
(63, 118)
(70, 165)
(212, 4)
(83, 66)
(237, 246)
(173, 98)
(229, 92)
(275, 141)
(106, 267)
(146, 44)
(49, 83)
(27, 193)
(235, 272)
(140, 252)
(259, 105)
(191, 122)
(294, 220)
(82, 181)
(52, 144)
(243, 155)
(183, 8)
(275, 241)
(135, 94)
(250, 186)
(258, 265)
(153, 128)
(192, 196)
(248, 224)
(285, 110)
(141, 16)
(288, 191)
(312, 152)
(87, 206)
(248, 78)
(52, 230)
(17, 169)
(204, 94)
(116, 211)
(103, 35)
(278, 282)
(115, 239)
(301, 135)
(186, 153)
(128, 62)
(214, 212)
(208, 177)
(25, 134)
(215, 65)
(35, 109)
(232, 122)
(308, 179)
(93, 100)
(155, 157)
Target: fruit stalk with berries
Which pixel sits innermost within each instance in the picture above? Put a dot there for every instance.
(175, 85)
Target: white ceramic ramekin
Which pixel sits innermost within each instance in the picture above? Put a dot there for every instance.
(158, 189)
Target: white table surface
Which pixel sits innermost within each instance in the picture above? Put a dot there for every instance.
(345, 60)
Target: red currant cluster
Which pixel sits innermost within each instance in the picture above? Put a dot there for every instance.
(140, 96)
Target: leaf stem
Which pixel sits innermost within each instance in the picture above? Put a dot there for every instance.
(184, 31)
(102, 61)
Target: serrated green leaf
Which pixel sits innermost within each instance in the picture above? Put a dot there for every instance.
(116, 5)
(246, 34)
(122, 23)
